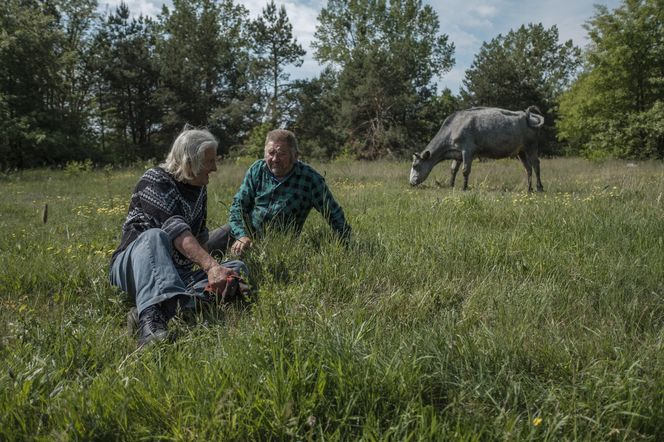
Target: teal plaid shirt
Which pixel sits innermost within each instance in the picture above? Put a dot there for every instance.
(263, 200)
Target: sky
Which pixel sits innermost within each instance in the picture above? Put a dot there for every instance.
(467, 23)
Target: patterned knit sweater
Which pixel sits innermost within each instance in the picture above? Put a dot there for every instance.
(160, 201)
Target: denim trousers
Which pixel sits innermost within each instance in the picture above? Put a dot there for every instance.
(146, 271)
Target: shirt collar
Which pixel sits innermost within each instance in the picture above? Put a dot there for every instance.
(281, 180)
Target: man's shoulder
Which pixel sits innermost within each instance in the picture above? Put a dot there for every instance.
(307, 170)
(256, 168)
(157, 175)
(154, 184)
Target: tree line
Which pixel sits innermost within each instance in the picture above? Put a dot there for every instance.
(113, 87)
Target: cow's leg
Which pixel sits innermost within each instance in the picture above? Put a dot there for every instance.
(536, 166)
(455, 168)
(529, 169)
(467, 157)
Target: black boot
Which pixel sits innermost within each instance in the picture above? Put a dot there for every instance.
(152, 326)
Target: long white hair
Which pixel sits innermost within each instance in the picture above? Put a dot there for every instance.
(185, 159)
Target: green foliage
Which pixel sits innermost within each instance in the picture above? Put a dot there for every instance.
(117, 88)
(205, 71)
(526, 67)
(638, 135)
(387, 55)
(612, 109)
(77, 167)
(430, 118)
(255, 143)
(44, 81)
(127, 84)
(314, 120)
(490, 314)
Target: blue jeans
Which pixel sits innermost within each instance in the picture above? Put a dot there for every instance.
(147, 272)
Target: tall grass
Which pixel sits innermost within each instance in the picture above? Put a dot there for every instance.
(490, 314)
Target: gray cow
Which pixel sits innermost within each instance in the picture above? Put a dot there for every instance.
(488, 132)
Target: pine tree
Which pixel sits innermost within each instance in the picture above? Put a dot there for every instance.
(276, 48)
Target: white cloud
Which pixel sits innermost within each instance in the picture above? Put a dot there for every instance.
(486, 10)
(453, 79)
(302, 16)
(309, 69)
(304, 19)
(469, 23)
(136, 7)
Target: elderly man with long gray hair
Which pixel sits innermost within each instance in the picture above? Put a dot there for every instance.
(162, 260)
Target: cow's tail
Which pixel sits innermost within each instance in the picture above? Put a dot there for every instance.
(534, 117)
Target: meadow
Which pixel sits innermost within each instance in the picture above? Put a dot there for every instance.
(491, 314)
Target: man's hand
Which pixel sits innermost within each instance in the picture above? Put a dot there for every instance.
(189, 246)
(217, 275)
(241, 245)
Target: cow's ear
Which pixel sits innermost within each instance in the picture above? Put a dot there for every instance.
(426, 155)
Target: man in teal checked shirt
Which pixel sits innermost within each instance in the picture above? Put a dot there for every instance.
(277, 191)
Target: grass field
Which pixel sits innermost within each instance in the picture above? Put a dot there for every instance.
(491, 314)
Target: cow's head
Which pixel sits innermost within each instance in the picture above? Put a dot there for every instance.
(420, 168)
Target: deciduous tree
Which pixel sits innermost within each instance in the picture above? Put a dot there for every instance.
(44, 81)
(615, 107)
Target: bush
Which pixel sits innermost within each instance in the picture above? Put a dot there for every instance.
(78, 167)
(255, 143)
(638, 136)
